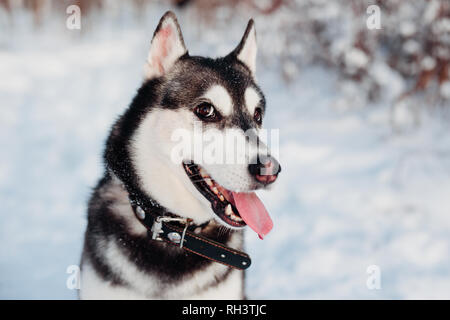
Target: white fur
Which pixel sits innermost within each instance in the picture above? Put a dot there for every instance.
(142, 285)
(166, 181)
(248, 53)
(162, 179)
(220, 98)
(93, 287)
(234, 175)
(165, 49)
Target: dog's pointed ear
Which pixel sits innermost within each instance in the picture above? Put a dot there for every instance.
(166, 48)
(247, 48)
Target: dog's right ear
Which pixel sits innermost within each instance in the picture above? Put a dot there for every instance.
(166, 48)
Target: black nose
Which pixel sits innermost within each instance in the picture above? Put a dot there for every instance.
(265, 169)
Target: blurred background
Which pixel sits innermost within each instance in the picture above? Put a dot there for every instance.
(363, 115)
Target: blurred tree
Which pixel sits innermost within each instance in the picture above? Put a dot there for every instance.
(413, 42)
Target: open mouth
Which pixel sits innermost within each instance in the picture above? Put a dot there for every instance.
(221, 199)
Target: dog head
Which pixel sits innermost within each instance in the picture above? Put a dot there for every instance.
(182, 93)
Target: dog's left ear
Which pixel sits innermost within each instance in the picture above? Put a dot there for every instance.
(247, 48)
(166, 48)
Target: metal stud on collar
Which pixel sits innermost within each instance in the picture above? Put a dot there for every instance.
(140, 213)
(175, 237)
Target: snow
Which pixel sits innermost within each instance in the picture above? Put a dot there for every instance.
(411, 47)
(428, 63)
(431, 11)
(356, 58)
(354, 191)
(407, 29)
(445, 89)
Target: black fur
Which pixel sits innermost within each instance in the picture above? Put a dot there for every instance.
(200, 73)
(172, 263)
(169, 263)
(171, 91)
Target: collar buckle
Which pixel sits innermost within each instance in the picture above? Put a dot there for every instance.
(157, 227)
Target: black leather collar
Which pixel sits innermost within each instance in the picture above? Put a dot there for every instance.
(164, 226)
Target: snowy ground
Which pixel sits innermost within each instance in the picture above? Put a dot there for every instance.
(353, 193)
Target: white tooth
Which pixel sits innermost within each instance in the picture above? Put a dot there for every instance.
(238, 219)
(228, 210)
(215, 190)
(203, 173)
(221, 197)
(209, 182)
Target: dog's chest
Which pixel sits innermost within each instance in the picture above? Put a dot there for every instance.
(213, 282)
(114, 241)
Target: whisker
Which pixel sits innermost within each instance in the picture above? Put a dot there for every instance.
(223, 230)
(219, 232)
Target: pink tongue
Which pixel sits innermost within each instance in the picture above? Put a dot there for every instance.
(252, 211)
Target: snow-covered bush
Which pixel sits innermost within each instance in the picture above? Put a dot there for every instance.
(408, 55)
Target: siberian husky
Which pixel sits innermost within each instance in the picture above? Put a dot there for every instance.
(122, 258)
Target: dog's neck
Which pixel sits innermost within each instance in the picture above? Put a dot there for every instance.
(114, 223)
(137, 197)
(208, 240)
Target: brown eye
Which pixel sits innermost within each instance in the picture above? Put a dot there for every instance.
(206, 111)
(258, 115)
